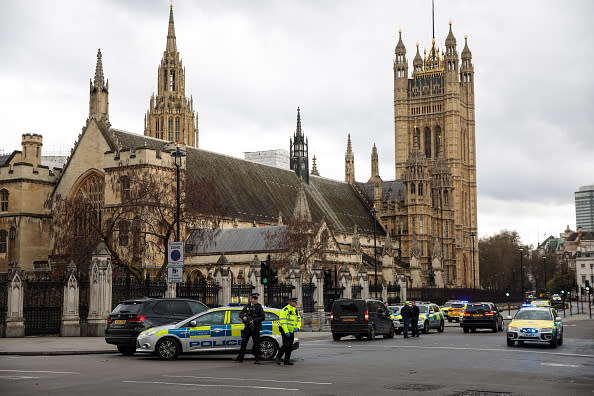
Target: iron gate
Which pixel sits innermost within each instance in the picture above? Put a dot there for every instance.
(393, 293)
(375, 291)
(130, 288)
(42, 304)
(83, 298)
(331, 294)
(201, 290)
(308, 297)
(356, 291)
(240, 293)
(3, 297)
(277, 296)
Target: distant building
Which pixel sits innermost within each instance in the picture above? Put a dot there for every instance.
(278, 158)
(584, 208)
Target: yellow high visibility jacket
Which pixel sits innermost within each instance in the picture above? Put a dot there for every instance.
(290, 320)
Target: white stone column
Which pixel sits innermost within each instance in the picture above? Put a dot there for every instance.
(318, 281)
(295, 280)
(100, 272)
(223, 278)
(70, 326)
(401, 279)
(384, 290)
(15, 322)
(363, 282)
(254, 278)
(171, 291)
(346, 281)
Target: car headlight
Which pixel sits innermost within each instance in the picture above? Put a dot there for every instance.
(148, 332)
(546, 330)
(512, 329)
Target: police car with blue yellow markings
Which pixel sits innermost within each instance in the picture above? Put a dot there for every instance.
(430, 317)
(217, 330)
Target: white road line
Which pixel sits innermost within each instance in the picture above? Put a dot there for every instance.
(247, 379)
(496, 350)
(209, 385)
(17, 377)
(560, 365)
(39, 371)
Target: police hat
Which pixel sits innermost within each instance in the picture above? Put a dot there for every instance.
(255, 295)
(293, 299)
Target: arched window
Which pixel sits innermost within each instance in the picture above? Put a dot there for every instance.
(427, 142)
(90, 189)
(437, 138)
(11, 243)
(172, 80)
(170, 129)
(417, 137)
(421, 189)
(3, 237)
(177, 129)
(4, 200)
(412, 188)
(124, 232)
(125, 181)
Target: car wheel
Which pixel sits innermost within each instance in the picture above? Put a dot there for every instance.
(495, 327)
(371, 335)
(501, 326)
(441, 326)
(466, 329)
(127, 350)
(168, 348)
(336, 337)
(449, 320)
(359, 337)
(560, 340)
(473, 329)
(553, 342)
(457, 320)
(268, 348)
(390, 333)
(510, 343)
(425, 327)
(398, 331)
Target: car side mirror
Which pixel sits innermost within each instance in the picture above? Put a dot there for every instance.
(508, 317)
(193, 323)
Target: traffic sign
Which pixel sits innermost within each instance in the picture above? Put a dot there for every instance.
(175, 274)
(175, 253)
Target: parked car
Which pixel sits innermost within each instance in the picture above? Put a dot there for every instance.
(130, 318)
(360, 318)
(430, 317)
(481, 315)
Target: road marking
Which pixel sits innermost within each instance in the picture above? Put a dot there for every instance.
(17, 377)
(247, 379)
(209, 385)
(560, 365)
(40, 371)
(497, 350)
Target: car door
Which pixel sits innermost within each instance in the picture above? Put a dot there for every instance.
(236, 327)
(209, 334)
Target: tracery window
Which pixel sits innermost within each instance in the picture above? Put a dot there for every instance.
(4, 200)
(90, 189)
(124, 232)
(3, 241)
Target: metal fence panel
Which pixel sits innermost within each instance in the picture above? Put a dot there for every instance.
(277, 296)
(130, 288)
(356, 291)
(240, 293)
(201, 290)
(42, 304)
(308, 290)
(331, 294)
(3, 297)
(441, 295)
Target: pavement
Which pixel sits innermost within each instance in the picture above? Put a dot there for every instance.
(54, 345)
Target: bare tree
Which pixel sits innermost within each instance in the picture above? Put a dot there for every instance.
(137, 220)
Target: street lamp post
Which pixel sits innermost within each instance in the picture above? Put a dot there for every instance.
(374, 212)
(472, 235)
(544, 264)
(522, 272)
(177, 159)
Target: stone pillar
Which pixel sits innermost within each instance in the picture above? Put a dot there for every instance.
(70, 326)
(437, 272)
(15, 322)
(401, 279)
(346, 281)
(100, 272)
(363, 282)
(415, 272)
(295, 280)
(171, 291)
(384, 290)
(223, 278)
(318, 281)
(254, 277)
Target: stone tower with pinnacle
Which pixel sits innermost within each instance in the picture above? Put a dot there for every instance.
(349, 163)
(299, 157)
(171, 114)
(99, 94)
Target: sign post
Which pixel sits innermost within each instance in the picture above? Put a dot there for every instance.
(175, 262)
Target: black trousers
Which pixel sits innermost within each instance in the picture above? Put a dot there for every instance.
(415, 326)
(287, 347)
(246, 333)
(406, 326)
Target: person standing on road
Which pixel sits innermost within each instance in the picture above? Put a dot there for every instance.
(253, 316)
(290, 323)
(415, 320)
(406, 313)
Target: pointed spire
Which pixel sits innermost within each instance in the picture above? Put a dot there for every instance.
(171, 45)
(301, 211)
(450, 39)
(99, 81)
(349, 163)
(466, 54)
(418, 60)
(298, 132)
(349, 146)
(314, 167)
(400, 46)
(374, 162)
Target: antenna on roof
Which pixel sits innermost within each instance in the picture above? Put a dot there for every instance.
(433, 17)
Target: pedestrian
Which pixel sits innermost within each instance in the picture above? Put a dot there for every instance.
(290, 323)
(406, 313)
(253, 316)
(415, 320)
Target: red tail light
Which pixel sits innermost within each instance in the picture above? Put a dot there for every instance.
(489, 313)
(466, 314)
(137, 319)
(331, 317)
(109, 320)
(367, 316)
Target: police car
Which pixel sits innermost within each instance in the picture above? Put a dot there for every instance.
(430, 317)
(213, 331)
(535, 324)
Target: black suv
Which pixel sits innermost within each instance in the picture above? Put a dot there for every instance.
(131, 317)
(360, 318)
(481, 315)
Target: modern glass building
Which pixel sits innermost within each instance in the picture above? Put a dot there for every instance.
(584, 208)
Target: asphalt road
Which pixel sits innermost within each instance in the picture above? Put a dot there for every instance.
(450, 363)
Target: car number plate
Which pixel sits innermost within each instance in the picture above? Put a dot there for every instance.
(530, 334)
(479, 315)
(348, 320)
(119, 322)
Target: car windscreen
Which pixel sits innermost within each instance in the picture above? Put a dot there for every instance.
(394, 310)
(478, 308)
(127, 308)
(533, 315)
(348, 307)
(457, 305)
(422, 308)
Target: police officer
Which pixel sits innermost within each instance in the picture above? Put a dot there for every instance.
(406, 313)
(414, 320)
(253, 316)
(290, 323)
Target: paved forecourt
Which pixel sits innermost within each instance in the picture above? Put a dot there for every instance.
(447, 363)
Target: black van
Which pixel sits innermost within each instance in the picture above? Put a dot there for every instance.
(360, 318)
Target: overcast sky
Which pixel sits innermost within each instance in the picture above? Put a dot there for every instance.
(249, 64)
